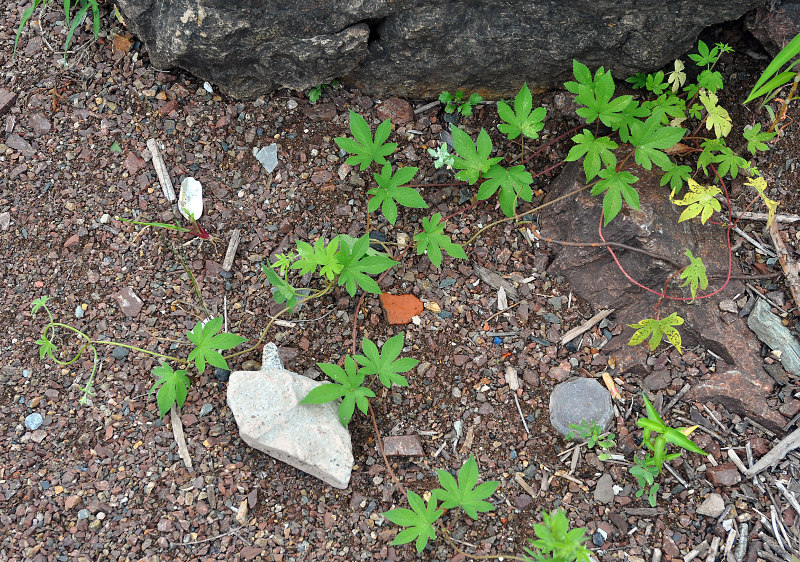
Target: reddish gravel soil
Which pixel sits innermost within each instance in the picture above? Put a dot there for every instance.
(104, 481)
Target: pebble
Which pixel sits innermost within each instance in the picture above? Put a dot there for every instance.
(599, 537)
(34, 421)
(712, 506)
(83, 514)
(291, 104)
(79, 312)
(724, 475)
(578, 400)
(221, 374)
(120, 352)
(251, 365)
(207, 408)
(604, 491)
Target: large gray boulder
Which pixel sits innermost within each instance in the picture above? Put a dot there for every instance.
(414, 48)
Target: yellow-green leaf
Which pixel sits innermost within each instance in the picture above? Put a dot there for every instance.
(760, 185)
(700, 201)
(718, 117)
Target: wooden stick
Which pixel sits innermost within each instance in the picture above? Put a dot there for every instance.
(177, 431)
(787, 444)
(790, 267)
(233, 245)
(161, 171)
(586, 326)
(787, 219)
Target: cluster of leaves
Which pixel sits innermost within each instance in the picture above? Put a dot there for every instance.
(349, 382)
(783, 69)
(475, 163)
(72, 22)
(592, 433)
(556, 542)
(655, 437)
(464, 493)
(457, 103)
(316, 92)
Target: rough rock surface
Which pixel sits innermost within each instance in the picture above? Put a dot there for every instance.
(775, 23)
(309, 437)
(412, 48)
(772, 332)
(580, 400)
(595, 277)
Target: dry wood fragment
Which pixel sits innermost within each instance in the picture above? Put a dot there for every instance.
(177, 431)
(786, 219)
(586, 326)
(787, 444)
(788, 495)
(495, 281)
(790, 267)
(233, 245)
(520, 479)
(161, 171)
(713, 550)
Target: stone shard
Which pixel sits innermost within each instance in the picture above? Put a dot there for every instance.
(309, 437)
(403, 446)
(772, 332)
(595, 277)
(400, 309)
(416, 49)
(128, 301)
(742, 392)
(268, 156)
(579, 400)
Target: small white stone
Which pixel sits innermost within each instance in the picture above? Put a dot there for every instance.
(712, 506)
(190, 200)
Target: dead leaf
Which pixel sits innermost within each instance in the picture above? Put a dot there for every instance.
(122, 42)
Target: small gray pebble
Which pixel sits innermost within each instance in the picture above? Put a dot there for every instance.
(221, 374)
(120, 352)
(34, 421)
(79, 312)
(225, 274)
(44, 484)
(599, 537)
(83, 514)
(26, 373)
(456, 392)
(206, 409)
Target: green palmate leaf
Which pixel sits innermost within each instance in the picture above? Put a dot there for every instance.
(358, 265)
(656, 330)
(390, 191)
(710, 148)
(39, 303)
(513, 183)
(700, 201)
(694, 274)
(46, 347)
(705, 56)
(172, 387)
(464, 493)
(283, 292)
(419, 520)
(616, 185)
(432, 240)
(756, 140)
(364, 149)
(556, 542)
(710, 80)
(319, 255)
(208, 343)
(595, 153)
(676, 175)
(385, 363)
(631, 114)
(650, 138)
(760, 185)
(466, 108)
(729, 162)
(473, 159)
(717, 117)
(596, 94)
(523, 119)
(347, 387)
(655, 83)
(638, 80)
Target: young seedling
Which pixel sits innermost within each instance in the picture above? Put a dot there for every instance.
(556, 542)
(591, 433)
(457, 102)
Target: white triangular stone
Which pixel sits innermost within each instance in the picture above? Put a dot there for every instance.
(309, 437)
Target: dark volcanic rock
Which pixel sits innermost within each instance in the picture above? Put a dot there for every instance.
(775, 24)
(595, 277)
(413, 48)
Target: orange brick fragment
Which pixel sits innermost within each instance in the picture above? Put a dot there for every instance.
(399, 309)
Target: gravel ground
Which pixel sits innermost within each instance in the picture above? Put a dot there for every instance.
(105, 482)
